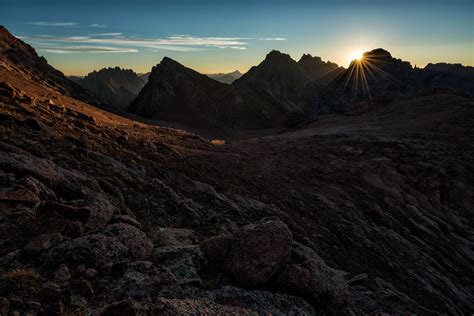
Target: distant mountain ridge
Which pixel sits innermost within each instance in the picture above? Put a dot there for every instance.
(115, 86)
(226, 77)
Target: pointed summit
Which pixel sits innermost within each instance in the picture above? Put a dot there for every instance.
(278, 73)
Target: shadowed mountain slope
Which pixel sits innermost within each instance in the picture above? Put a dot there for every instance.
(115, 86)
(175, 93)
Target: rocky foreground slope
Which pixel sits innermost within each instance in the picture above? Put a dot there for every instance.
(361, 214)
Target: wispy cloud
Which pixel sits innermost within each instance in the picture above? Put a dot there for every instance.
(182, 43)
(84, 49)
(54, 23)
(118, 43)
(273, 39)
(97, 25)
(107, 34)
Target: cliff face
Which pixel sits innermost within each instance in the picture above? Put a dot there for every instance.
(175, 93)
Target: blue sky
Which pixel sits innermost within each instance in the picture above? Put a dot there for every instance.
(219, 36)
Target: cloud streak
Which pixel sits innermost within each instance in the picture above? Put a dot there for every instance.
(54, 23)
(273, 39)
(117, 42)
(97, 25)
(84, 49)
(183, 43)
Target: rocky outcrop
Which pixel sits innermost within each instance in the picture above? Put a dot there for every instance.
(115, 86)
(178, 94)
(257, 251)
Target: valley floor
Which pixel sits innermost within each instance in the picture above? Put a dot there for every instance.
(101, 213)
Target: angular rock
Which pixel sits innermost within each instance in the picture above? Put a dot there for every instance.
(50, 292)
(116, 242)
(308, 276)
(41, 243)
(142, 281)
(216, 250)
(183, 261)
(258, 251)
(62, 274)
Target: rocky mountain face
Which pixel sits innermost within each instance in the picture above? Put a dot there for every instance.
(278, 73)
(442, 75)
(377, 80)
(365, 214)
(226, 77)
(21, 59)
(115, 86)
(374, 81)
(320, 71)
(175, 93)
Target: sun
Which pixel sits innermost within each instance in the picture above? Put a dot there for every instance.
(357, 55)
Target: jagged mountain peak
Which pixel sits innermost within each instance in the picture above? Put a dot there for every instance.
(307, 57)
(117, 87)
(276, 54)
(175, 93)
(278, 73)
(378, 52)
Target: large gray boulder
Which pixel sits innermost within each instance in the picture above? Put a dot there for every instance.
(253, 254)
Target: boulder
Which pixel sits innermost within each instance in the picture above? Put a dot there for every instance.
(258, 251)
(183, 261)
(142, 281)
(308, 276)
(115, 242)
(50, 292)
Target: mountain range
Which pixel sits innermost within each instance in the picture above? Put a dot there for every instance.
(277, 92)
(175, 93)
(359, 213)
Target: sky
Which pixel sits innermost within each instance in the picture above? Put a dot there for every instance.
(79, 36)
